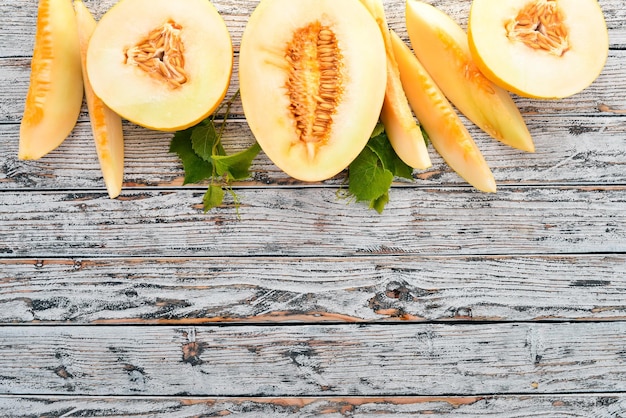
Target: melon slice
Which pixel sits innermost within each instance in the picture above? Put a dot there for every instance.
(162, 64)
(441, 46)
(106, 125)
(403, 132)
(539, 48)
(444, 127)
(312, 77)
(55, 93)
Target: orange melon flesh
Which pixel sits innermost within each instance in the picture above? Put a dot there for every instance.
(142, 97)
(441, 45)
(55, 93)
(443, 126)
(106, 125)
(265, 75)
(404, 134)
(537, 73)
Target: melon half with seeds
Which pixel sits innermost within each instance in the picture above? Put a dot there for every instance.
(161, 64)
(312, 78)
(539, 48)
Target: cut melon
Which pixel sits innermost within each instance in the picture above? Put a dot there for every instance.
(444, 127)
(441, 46)
(539, 48)
(403, 132)
(162, 64)
(55, 93)
(312, 77)
(106, 125)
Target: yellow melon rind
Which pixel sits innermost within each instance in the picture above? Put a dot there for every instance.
(55, 91)
(532, 73)
(145, 100)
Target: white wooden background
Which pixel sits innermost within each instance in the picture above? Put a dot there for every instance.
(452, 302)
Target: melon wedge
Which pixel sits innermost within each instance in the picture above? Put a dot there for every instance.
(444, 127)
(106, 125)
(543, 49)
(403, 132)
(441, 45)
(162, 64)
(55, 93)
(312, 78)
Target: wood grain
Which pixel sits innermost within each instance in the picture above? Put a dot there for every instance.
(314, 360)
(452, 303)
(548, 406)
(313, 290)
(314, 222)
(598, 99)
(18, 19)
(570, 149)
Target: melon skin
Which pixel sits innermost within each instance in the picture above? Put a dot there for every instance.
(55, 92)
(404, 134)
(263, 77)
(142, 99)
(445, 129)
(536, 74)
(442, 47)
(106, 125)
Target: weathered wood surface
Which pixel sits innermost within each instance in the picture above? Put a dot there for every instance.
(596, 406)
(355, 289)
(314, 360)
(313, 222)
(452, 303)
(570, 149)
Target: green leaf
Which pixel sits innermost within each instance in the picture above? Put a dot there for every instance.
(379, 204)
(213, 197)
(236, 166)
(382, 147)
(196, 168)
(205, 140)
(369, 179)
(378, 129)
(203, 157)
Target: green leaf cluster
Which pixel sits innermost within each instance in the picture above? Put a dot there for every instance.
(371, 174)
(203, 156)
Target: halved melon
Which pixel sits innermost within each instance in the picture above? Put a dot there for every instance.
(441, 46)
(312, 76)
(106, 125)
(403, 132)
(539, 48)
(445, 129)
(161, 64)
(55, 93)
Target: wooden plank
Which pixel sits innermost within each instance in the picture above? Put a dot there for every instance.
(314, 222)
(538, 406)
(331, 360)
(18, 19)
(601, 98)
(577, 150)
(312, 290)
(18, 24)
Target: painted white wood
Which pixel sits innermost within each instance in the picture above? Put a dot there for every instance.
(306, 290)
(314, 360)
(506, 305)
(582, 406)
(570, 149)
(314, 222)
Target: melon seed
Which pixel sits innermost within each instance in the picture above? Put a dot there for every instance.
(161, 54)
(314, 83)
(540, 25)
